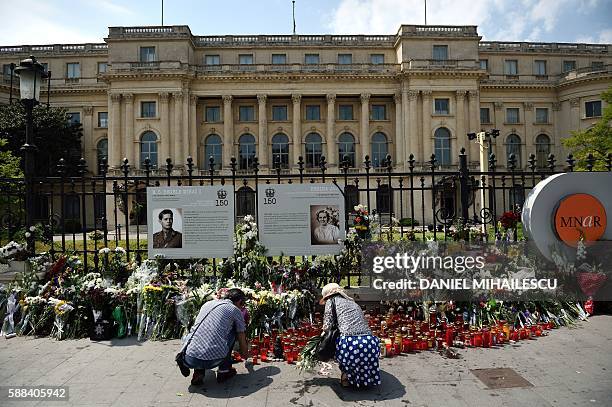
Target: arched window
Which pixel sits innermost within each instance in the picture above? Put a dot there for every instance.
(213, 147)
(148, 149)
(346, 148)
(380, 149)
(513, 146)
(102, 151)
(280, 150)
(314, 150)
(442, 146)
(246, 151)
(542, 150)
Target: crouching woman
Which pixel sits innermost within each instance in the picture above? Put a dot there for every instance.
(357, 349)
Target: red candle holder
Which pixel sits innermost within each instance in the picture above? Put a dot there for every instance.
(478, 339)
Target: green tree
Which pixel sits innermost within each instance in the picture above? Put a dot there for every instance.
(9, 164)
(54, 136)
(597, 140)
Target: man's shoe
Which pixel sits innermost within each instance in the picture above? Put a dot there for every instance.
(223, 376)
(198, 377)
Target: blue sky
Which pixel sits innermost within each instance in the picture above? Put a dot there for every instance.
(73, 21)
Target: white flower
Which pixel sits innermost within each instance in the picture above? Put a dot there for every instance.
(27, 235)
(32, 228)
(120, 250)
(104, 250)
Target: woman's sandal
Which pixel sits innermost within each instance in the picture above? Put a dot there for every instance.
(344, 382)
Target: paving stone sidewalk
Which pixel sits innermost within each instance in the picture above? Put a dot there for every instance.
(570, 367)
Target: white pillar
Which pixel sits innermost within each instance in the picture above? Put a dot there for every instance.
(460, 136)
(415, 143)
(364, 126)
(228, 130)
(128, 130)
(164, 119)
(400, 153)
(296, 99)
(262, 119)
(193, 130)
(331, 133)
(428, 148)
(114, 137)
(177, 158)
(185, 127)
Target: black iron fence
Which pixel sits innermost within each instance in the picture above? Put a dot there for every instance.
(82, 214)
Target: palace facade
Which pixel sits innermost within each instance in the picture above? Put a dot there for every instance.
(162, 92)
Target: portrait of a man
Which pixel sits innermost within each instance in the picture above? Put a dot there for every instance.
(167, 238)
(325, 231)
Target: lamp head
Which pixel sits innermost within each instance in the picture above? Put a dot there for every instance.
(471, 136)
(30, 72)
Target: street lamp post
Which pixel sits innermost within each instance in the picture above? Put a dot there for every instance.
(484, 139)
(31, 73)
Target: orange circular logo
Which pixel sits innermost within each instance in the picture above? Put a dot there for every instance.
(580, 216)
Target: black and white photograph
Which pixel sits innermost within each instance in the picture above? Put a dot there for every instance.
(324, 225)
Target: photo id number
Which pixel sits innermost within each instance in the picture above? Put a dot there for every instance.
(269, 201)
(34, 393)
(221, 202)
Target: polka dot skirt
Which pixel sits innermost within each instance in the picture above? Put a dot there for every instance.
(358, 358)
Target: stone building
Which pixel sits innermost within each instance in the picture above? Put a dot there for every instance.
(158, 92)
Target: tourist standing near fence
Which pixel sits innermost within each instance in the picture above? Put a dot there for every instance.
(357, 349)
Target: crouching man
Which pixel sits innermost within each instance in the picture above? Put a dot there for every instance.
(218, 325)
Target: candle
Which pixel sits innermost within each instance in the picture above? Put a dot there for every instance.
(486, 338)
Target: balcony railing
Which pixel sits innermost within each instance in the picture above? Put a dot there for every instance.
(58, 49)
(541, 47)
(297, 68)
(587, 71)
(441, 64)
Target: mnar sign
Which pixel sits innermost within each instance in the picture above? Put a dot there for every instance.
(580, 217)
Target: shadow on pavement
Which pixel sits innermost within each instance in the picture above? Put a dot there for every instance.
(240, 386)
(390, 389)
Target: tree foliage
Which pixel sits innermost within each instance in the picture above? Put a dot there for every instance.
(9, 164)
(54, 136)
(596, 140)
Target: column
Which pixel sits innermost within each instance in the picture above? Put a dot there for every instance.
(262, 120)
(296, 99)
(177, 155)
(88, 140)
(555, 147)
(400, 153)
(114, 136)
(128, 130)
(193, 130)
(474, 126)
(364, 128)
(461, 137)
(228, 130)
(575, 117)
(529, 136)
(427, 146)
(185, 127)
(414, 139)
(164, 142)
(331, 154)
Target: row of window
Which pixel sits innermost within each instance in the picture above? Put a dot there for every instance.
(212, 114)
(539, 66)
(345, 112)
(313, 148)
(591, 109)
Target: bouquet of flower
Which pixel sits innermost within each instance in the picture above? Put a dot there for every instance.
(13, 251)
(509, 220)
(362, 222)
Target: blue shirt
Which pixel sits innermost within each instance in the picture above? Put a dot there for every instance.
(210, 341)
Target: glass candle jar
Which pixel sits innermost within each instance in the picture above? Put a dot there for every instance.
(486, 338)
